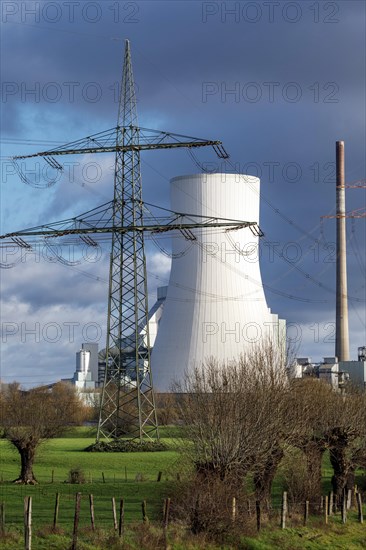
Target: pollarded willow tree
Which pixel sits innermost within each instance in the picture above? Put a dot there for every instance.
(31, 417)
(331, 421)
(312, 400)
(237, 416)
(237, 420)
(346, 439)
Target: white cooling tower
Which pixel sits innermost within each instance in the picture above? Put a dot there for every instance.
(215, 304)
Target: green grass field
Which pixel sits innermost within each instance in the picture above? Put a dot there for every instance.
(133, 477)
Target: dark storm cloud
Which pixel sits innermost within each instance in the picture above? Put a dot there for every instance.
(278, 87)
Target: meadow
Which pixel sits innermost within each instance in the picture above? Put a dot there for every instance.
(134, 477)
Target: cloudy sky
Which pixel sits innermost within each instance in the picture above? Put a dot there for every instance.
(278, 82)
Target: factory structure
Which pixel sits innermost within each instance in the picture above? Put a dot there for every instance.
(214, 305)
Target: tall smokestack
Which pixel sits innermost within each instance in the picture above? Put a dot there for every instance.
(342, 337)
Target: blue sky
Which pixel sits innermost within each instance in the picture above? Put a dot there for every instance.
(277, 82)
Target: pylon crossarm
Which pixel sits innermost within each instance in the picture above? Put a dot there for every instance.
(54, 230)
(107, 142)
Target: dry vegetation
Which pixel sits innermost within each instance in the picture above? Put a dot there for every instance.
(242, 419)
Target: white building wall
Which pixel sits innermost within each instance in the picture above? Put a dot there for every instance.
(215, 305)
(82, 378)
(93, 358)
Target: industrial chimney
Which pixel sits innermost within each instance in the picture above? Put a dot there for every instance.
(342, 337)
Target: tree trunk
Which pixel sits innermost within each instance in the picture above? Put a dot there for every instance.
(27, 455)
(314, 451)
(340, 466)
(264, 477)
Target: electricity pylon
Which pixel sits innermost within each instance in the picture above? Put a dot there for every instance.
(127, 400)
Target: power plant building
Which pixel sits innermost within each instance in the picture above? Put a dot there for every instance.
(215, 305)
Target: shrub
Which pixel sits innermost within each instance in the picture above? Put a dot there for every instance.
(76, 475)
(126, 446)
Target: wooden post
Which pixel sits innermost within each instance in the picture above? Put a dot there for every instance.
(52, 476)
(326, 509)
(166, 520)
(76, 521)
(249, 508)
(28, 523)
(258, 514)
(233, 510)
(159, 476)
(2, 519)
(284, 510)
(114, 513)
(330, 503)
(354, 496)
(306, 512)
(344, 507)
(166, 512)
(57, 506)
(349, 499)
(91, 506)
(121, 517)
(103, 477)
(144, 515)
(359, 507)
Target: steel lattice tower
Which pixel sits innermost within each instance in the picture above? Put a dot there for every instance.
(127, 403)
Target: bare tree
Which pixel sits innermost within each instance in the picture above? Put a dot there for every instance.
(328, 420)
(234, 414)
(166, 408)
(311, 403)
(346, 439)
(31, 417)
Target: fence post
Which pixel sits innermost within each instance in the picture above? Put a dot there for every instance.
(330, 503)
(103, 477)
(326, 509)
(233, 509)
(306, 512)
(258, 514)
(121, 517)
(159, 476)
(2, 519)
(349, 499)
(284, 510)
(28, 523)
(55, 515)
(249, 511)
(76, 521)
(114, 514)
(144, 515)
(359, 507)
(344, 507)
(166, 520)
(91, 506)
